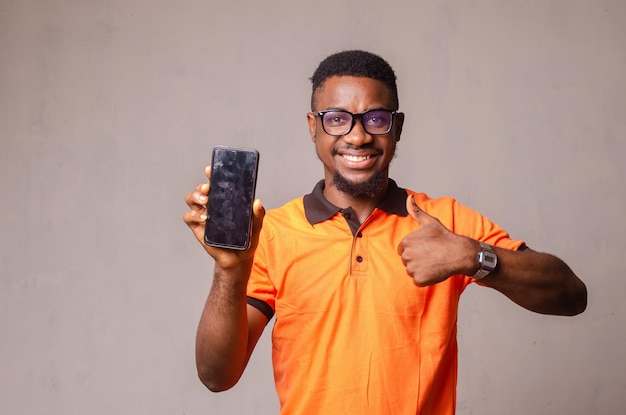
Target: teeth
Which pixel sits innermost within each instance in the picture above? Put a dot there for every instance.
(355, 158)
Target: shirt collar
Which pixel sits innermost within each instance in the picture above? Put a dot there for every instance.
(318, 209)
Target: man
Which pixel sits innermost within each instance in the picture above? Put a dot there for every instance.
(363, 276)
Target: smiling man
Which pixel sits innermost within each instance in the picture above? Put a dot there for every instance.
(363, 112)
(363, 276)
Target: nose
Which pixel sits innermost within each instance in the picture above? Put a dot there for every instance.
(358, 136)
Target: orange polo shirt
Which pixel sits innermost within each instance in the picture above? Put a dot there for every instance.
(353, 334)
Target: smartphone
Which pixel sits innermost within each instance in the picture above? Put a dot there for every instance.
(229, 208)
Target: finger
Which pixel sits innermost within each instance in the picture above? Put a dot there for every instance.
(259, 213)
(258, 209)
(204, 189)
(198, 198)
(193, 218)
(401, 249)
(422, 218)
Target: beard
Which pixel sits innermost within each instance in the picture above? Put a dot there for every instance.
(368, 188)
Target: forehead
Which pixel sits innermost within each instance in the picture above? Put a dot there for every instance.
(355, 94)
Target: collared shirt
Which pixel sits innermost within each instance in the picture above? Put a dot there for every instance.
(353, 334)
(317, 208)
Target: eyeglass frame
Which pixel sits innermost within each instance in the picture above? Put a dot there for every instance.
(359, 115)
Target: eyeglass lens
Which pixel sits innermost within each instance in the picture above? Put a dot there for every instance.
(341, 122)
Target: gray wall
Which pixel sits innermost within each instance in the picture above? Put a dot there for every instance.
(109, 110)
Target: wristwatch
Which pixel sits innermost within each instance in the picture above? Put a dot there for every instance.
(487, 259)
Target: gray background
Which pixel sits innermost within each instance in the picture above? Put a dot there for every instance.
(109, 110)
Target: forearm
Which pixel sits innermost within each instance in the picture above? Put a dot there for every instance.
(222, 338)
(538, 282)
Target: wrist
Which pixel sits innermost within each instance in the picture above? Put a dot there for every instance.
(468, 264)
(233, 271)
(486, 261)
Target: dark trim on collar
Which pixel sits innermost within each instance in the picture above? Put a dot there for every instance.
(395, 201)
(318, 209)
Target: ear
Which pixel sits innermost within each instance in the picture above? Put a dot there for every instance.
(399, 122)
(312, 125)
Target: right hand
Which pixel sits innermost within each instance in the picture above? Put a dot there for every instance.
(432, 253)
(195, 218)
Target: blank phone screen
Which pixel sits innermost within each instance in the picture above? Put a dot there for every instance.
(229, 208)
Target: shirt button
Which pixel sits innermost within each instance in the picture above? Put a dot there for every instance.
(359, 235)
(359, 259)
(346, 215)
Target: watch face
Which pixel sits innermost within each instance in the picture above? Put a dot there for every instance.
(489, 260)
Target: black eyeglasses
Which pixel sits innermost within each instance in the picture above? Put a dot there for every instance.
(375, 122)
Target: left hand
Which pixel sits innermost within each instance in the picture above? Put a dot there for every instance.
(432, 253)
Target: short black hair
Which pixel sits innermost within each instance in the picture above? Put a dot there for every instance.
(356, 63)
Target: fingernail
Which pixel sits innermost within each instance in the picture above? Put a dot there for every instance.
(203, 198)
(203, 217)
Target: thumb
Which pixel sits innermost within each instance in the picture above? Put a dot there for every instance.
(422, 218)
(259, 213)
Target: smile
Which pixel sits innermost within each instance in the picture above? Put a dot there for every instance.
(355, 159)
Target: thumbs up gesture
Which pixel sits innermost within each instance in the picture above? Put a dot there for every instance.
(432, 253)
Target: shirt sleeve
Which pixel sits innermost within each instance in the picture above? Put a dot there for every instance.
(261, 291)
(467, 221)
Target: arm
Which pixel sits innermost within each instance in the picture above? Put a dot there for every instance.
(229, 329)
(538, 282)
